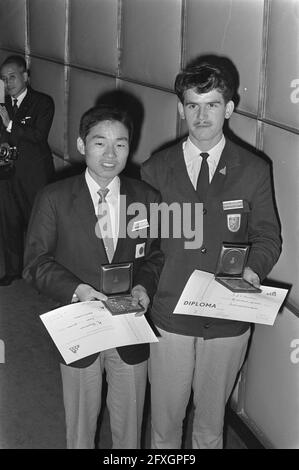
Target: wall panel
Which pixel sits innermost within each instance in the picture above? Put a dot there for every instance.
(243, 127)
(13, 24)
(272, 381)
(47, 28)
(148, 54)
(159, 125)
(232, 28)
(80, 49)
(85, 89)
(48, 77)
(94, 34)
(283, 148)
(3, 55)
(283, 63)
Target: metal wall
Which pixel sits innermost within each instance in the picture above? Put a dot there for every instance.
(78, 49)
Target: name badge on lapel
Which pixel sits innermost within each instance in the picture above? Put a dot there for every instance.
(140, 224)
(233, 222)
(140, 250)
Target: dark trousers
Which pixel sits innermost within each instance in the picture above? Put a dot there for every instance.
(11, 231)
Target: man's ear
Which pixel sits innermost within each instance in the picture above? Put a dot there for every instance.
(81, 146)
(181, 110)
(26, 77)
(229, 108)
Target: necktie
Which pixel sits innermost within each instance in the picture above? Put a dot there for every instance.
(203, 177)
(14, 107)
(105, 226)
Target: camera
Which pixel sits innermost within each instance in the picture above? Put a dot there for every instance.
(7, 154)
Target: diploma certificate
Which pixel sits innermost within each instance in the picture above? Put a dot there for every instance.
(204, 296)
(84, 328)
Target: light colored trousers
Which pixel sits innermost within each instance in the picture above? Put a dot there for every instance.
(177, 364)
(125, 399)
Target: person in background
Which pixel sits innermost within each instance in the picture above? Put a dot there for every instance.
(234, 186)
(26, 119)
(63, 256)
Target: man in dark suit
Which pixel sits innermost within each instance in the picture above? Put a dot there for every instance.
(234, 187)
(63, 257)
(26, 119)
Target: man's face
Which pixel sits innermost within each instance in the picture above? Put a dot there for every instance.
(15, 80)
(106, 150)
(205, 114)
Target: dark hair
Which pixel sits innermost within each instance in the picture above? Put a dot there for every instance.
(104, 113)
(16, 59)
(205, 75)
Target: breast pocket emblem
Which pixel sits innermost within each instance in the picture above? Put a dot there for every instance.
(233, 222)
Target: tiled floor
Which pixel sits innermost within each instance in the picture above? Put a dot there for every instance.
(31, 408)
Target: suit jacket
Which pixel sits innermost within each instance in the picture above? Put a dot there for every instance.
(31, 126)
(240, 175)
(63, 250)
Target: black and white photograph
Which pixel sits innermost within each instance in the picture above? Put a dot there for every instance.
(149, 228)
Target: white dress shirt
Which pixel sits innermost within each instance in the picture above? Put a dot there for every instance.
(112, 199)
(19, 101)
(193, 159)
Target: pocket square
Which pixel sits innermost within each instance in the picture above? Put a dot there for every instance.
(23, 121)
(223, 171)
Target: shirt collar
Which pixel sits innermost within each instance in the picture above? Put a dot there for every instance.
(93, 186)
(191, 151)
(20, 98)
(216, 151)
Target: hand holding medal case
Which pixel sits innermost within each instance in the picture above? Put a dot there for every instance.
(116, 283)
(230, 268)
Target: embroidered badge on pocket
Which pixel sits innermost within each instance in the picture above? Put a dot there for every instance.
(233, 222)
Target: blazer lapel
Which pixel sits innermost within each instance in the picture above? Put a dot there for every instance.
(179, 175)
(223, 174)
(126, 195)
(221, 179)
(8, 106)
(85, 215)
(25, 106)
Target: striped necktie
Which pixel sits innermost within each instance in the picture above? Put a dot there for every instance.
(104, 221)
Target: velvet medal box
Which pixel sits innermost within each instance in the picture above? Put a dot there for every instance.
(230, 268)
(116, 284)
